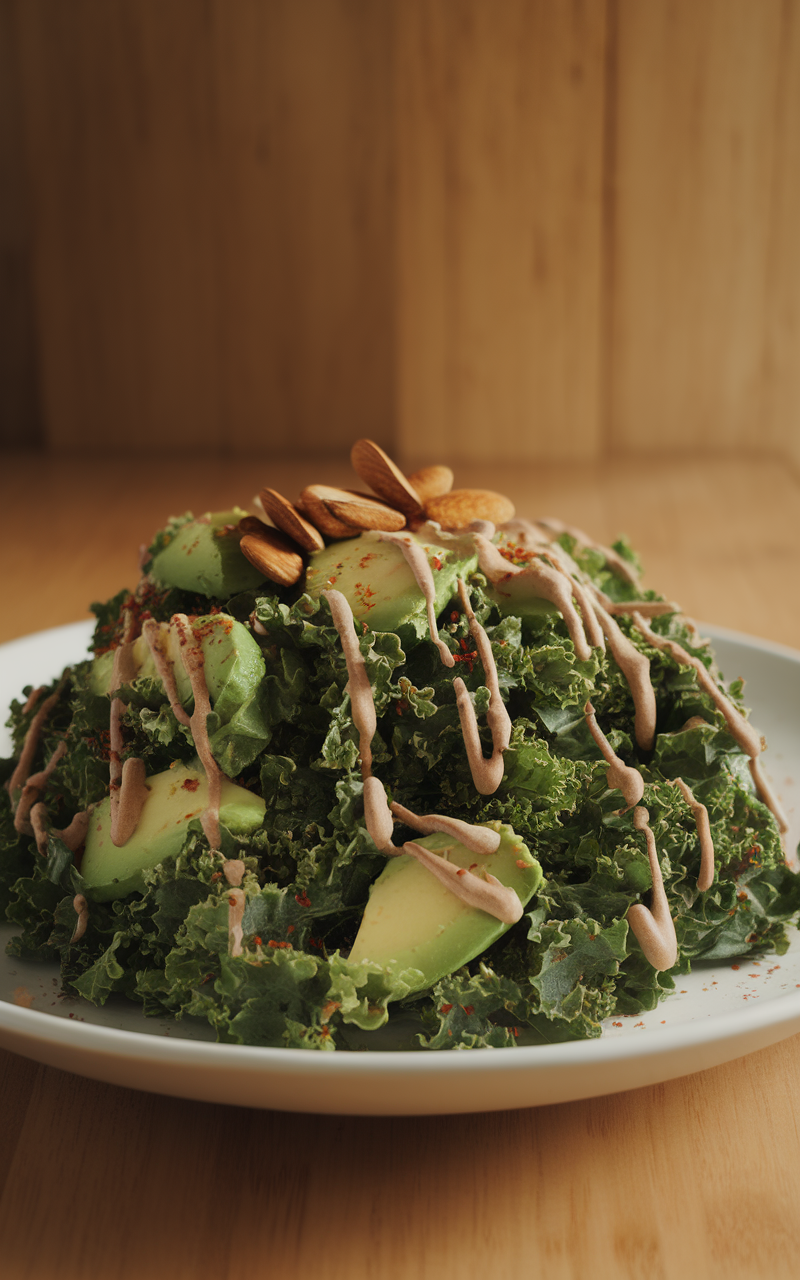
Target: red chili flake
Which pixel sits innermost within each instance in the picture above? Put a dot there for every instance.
(257, 940)
(734, 966)
(462, 871)
(190, 784)
(515, 1031)
(639, 1024)
(302, 899)
(469, 1009)
(216, 876)
(445, 1008)
(616, 1024)
(454, 615)
(436, 562)
(279, 946)
(232, 901)
(290, 928)
(522, 864)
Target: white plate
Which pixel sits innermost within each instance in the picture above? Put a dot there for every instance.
(721, 1012)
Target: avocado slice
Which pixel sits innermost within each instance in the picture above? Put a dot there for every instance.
(414, 920)
(514, 595)
(378, 583)
(176, 797)
(233, 663)
(204, 556)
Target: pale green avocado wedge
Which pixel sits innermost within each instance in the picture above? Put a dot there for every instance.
(175, 798)
(414, 921)
(204, 556)
(232, 662)
(375, 578)
(514, 595)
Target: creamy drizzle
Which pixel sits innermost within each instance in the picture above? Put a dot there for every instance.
(488, 894)
(362, 703)
(548, 582)
(123, 671)
(748, 739)
(192, 659)
(653, 926)
(481, 840)
(625, 570)
(191, 652)
(233, 869)
(31, 740)
(81, 909)
(130, 798)
(487, 774)
(705, 878)
(35, 787)
(418, 563)
(620, 776)
(635, 667)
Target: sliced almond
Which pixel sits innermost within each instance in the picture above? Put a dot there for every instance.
(275, 555)
(376, 469)
(459, 507)
(286, 517)
(431, 482)
(366, 513)
(312, 504)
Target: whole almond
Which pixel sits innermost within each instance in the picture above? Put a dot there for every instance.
(376, 469)
(431, 482)
(366, 513)
(312, 505)
(275, 555)
(252, 524)
(286, 517)
(459, 507)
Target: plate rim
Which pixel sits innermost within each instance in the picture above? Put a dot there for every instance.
(106, 1044)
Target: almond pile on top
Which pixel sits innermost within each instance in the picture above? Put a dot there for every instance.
(323, 512)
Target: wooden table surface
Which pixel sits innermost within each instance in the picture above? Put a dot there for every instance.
(696, 1177)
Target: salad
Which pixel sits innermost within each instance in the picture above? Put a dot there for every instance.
(389, 766)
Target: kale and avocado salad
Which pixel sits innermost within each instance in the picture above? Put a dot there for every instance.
(407, 767)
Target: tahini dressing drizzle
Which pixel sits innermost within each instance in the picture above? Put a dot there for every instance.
(487, 893)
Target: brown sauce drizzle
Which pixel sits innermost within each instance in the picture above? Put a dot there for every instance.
(31, 740)
(191, 653)
(548, 582)
(32, 791)
(233, 869)
(620, 776)
(362, 703)
(487, 773)
(705, 877)
(653, 926)
(418, 563)
(741, 730)
(555, 528)
(81, 908)
(487, 893)
(635, 667)
(481, 840)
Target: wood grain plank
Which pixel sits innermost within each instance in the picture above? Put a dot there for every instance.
(212, 216)
(499, 133)
(112, 1182)
(781, 409)
(20, 418)
(695, 152)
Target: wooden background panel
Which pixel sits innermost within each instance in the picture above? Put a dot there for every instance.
(694, 160)
(782, 335)
(212, 217)
(499, 153)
